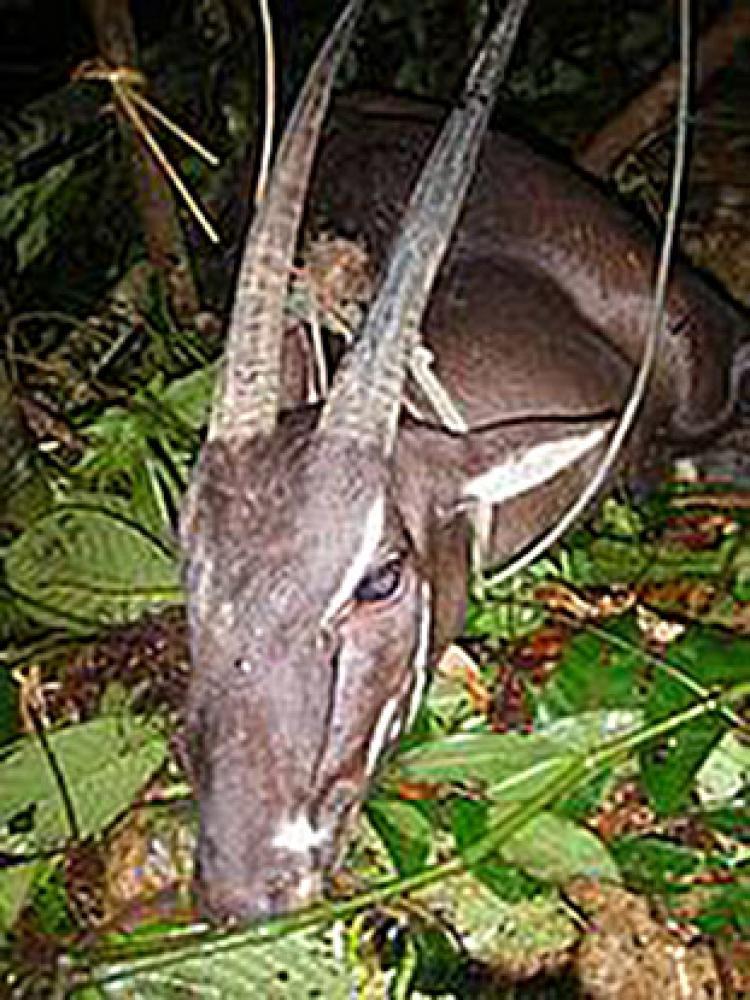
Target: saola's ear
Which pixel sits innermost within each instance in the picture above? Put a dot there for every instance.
(502, 464)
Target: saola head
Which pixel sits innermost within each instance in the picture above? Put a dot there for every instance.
(310, 613)
(310, 635)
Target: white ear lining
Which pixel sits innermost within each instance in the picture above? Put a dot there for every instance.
(522, 470)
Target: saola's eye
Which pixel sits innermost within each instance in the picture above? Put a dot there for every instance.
(381, 583)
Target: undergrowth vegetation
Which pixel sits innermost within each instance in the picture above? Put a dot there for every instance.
(589, 730)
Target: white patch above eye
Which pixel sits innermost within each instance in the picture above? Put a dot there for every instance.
(524, 471)
(299, 836)
(373, 532)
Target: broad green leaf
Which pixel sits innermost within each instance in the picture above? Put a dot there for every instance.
(595, 674)
(549, 847)
(190, 397)
(440, 967)
(89, 564)
(500, 932)
(404, 829)
(144, 451)
(702, 661)
(557, 850)
(725, 775)
(589, 729)
(668, 768)
(300, 966)
(652, 865)
(712, 657)
(469, 820)
(171, 414)
(511, 765)
(734, 822)
(15, 883)
(104, 763)
(728, 909)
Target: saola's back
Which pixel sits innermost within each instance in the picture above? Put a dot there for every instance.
(541, 307)
(532, 221)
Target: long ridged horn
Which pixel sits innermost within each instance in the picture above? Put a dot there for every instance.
(366, 394)
(247, 396)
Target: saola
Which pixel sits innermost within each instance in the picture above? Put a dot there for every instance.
(327, 545)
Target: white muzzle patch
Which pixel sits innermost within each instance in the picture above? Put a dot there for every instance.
(298, 836)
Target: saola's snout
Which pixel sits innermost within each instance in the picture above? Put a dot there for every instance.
(282, 754)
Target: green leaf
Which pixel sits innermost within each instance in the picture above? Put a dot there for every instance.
(669, 768)
(440, 965)
(734, 822)
(469, 819)
(15, 885)
(299, 966)
(652, 865)
(702, 661)
(26, 211)
(89, 564)
(557, 850)
(405, 830)
(509, 610)
(728, 910)
(190, 397)
(595, 673)
(144, 451)
(549, 847)
(502, 933)
(725, 774)
(32, 241)
(104, 763)
(621, 561)
(512, 766)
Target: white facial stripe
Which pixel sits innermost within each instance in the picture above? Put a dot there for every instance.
(380, 734)
(298, 836)
(374, 523)
(537, 465)
(422, 653)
